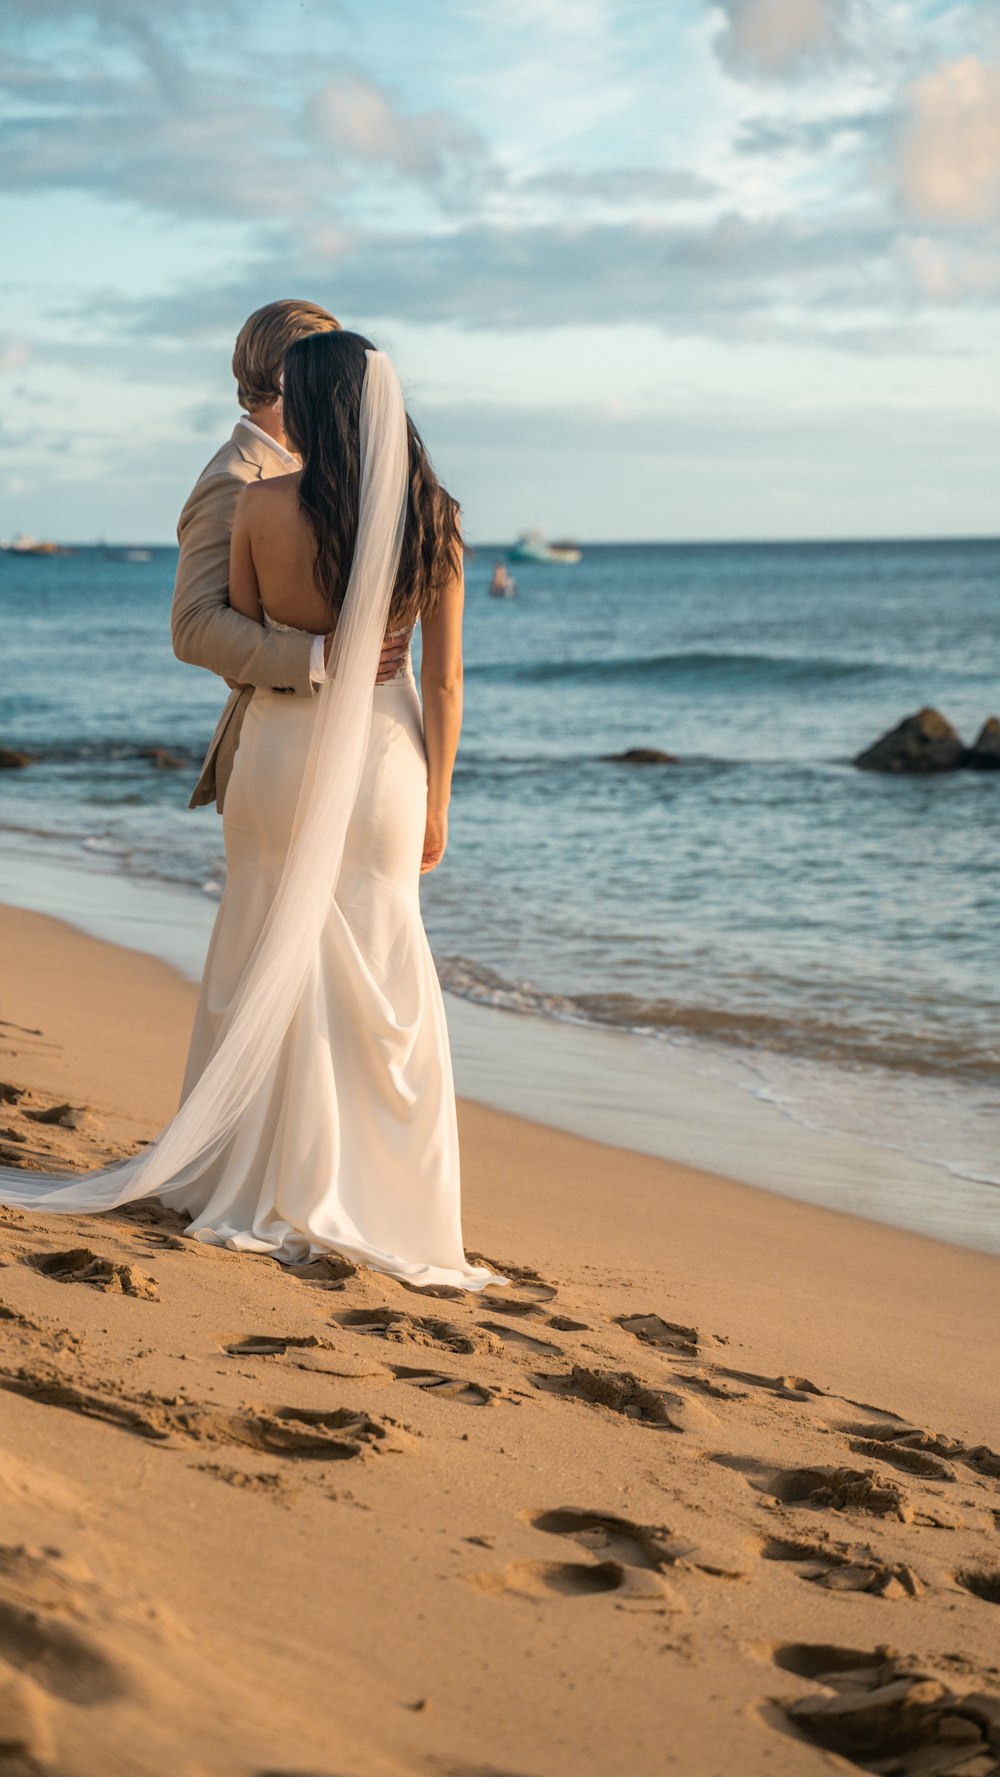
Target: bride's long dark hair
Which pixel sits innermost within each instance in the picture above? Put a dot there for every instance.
(322, 414)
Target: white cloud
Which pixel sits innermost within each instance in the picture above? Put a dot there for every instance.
(946, 272)
(360, 121)
(723, 279)
(781, 38)
(628, 187)
(215, 155)
(227, 149)
(812, 136)
(949, 148)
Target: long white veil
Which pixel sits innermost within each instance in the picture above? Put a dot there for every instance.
(272, 982)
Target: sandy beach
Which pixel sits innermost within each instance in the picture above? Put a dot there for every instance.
(711, 1488)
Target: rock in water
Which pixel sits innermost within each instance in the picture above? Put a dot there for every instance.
(12, 758)
(640, 756)
(984, 753)
(923, 742)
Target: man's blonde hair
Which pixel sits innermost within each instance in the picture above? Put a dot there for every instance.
(261, 344)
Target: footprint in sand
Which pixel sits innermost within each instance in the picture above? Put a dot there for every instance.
(330, 1272)
(261, 1345)
(836, 1489)
(863, 1570)
(982, 1582)
(619, 1390)
(158, 1226)
(332, 1434)
(512, 1335)
(789, 1388)
(308, 1351)
(527, 1287)
(909, 1446)
(665, 1335)
(574, 1579)
(397, 1327)
(675, 1339)
(453, 1388)
(336, 1433)
(618, 1539)
(80, 1265)
(903, 1456)
(513, 1306)
(885, 1713)
(845, 1567)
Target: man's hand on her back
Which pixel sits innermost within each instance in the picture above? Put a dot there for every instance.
(390, 651)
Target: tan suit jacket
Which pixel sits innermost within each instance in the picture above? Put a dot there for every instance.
(205, 630)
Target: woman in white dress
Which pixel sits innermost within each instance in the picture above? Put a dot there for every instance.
(318, 1107)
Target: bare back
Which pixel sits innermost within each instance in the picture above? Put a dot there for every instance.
(271, 569)
(281, 548)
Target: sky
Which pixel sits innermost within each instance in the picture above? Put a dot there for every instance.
(649, 269)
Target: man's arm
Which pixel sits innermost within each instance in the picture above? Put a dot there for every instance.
(205, 631)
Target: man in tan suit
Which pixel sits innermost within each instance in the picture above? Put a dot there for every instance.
(204, 629)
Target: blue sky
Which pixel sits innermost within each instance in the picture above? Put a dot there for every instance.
(648, 269)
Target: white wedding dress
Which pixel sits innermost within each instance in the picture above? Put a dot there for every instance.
(352, 1144)
(318, 1108)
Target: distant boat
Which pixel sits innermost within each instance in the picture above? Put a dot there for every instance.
(24, 545)
(531, 546)
(129, 554)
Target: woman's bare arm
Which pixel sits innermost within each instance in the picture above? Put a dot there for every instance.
(441, 696)
(244, 592)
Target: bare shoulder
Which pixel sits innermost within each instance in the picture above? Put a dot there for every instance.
(267, 503)
(276, 492)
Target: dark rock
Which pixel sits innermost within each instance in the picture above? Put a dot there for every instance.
(163, 760)
(984, 753)
(920, 743)
(640, 756)
(12, 758)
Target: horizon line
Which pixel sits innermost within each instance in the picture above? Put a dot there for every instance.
(592, 542)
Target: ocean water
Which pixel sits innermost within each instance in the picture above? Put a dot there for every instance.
(824, 937)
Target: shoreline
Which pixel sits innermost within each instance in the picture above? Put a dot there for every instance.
(703, 1108)
(704, 1429)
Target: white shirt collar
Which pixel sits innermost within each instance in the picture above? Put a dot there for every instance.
(272, 443)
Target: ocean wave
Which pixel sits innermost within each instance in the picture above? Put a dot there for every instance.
(732, 668)
(148, 856)
(805, 1036)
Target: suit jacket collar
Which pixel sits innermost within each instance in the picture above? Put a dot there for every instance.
(259, 452)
